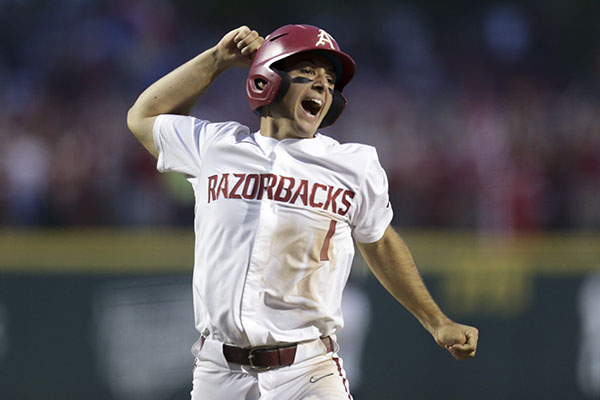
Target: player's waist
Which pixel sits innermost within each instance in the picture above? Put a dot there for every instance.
(267, 357)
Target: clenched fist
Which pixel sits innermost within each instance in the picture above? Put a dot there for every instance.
(460, 340)
(238, 47)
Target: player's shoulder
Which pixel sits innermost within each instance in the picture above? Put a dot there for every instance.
(334, 147)
(226, 128)
(226, 132)
(183, 121)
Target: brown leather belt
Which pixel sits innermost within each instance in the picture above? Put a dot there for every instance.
(267, 357)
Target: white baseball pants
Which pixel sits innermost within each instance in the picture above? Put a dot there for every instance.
(313, 376)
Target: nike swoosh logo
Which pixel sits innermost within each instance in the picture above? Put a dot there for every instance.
(314, 380)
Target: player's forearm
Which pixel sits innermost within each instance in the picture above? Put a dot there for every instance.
(178, 91)
(393, 265)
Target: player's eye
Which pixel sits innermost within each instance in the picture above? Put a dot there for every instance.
(307, 71)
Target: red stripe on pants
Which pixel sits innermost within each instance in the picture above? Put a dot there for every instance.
(339, 368)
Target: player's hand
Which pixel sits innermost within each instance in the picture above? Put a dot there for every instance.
(238, 47)
(459, 340)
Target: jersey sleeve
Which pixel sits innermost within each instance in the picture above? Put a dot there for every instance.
(182, 141)
(374, 211)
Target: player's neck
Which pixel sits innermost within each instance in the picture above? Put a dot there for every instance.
(282, 128)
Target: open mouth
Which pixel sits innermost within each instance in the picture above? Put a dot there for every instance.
(312, 106)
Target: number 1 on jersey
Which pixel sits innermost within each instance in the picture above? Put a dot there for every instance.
(325, 247)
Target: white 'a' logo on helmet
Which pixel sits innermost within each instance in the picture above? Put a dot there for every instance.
(324, 39)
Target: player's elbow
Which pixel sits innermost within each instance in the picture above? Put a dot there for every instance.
(133, 119)
(137, 113)
(137, 122)
(141, 127)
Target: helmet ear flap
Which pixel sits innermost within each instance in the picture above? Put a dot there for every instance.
(337, 106)
(281, 91)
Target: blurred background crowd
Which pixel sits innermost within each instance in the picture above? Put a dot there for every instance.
(486, 115)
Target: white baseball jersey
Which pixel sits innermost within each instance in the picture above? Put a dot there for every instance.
(274, 222)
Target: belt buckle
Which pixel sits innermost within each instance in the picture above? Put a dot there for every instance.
(251, 357)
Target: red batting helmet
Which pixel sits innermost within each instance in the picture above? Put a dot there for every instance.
(287, 41)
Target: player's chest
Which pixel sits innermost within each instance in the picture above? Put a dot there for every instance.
(245, 174)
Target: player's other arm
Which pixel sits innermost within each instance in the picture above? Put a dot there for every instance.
(178, 91)
(392, 263)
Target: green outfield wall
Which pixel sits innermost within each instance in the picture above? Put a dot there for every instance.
(107, 314)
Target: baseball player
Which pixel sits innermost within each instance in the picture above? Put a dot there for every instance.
(276, 217)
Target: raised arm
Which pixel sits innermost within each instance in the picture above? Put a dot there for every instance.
(392, 264)
(178, 91)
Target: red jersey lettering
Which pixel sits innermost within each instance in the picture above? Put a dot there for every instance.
(250, 190)
(223, 186)
(281, 188)
(331, 198)
(267, 183)
(313, 193)
(212, 184)
(234, 192)
(346, 202)
(301, 192)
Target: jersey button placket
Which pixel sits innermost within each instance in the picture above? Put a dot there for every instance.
(252, 297)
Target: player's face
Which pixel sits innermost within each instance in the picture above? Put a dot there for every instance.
(310, 94)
